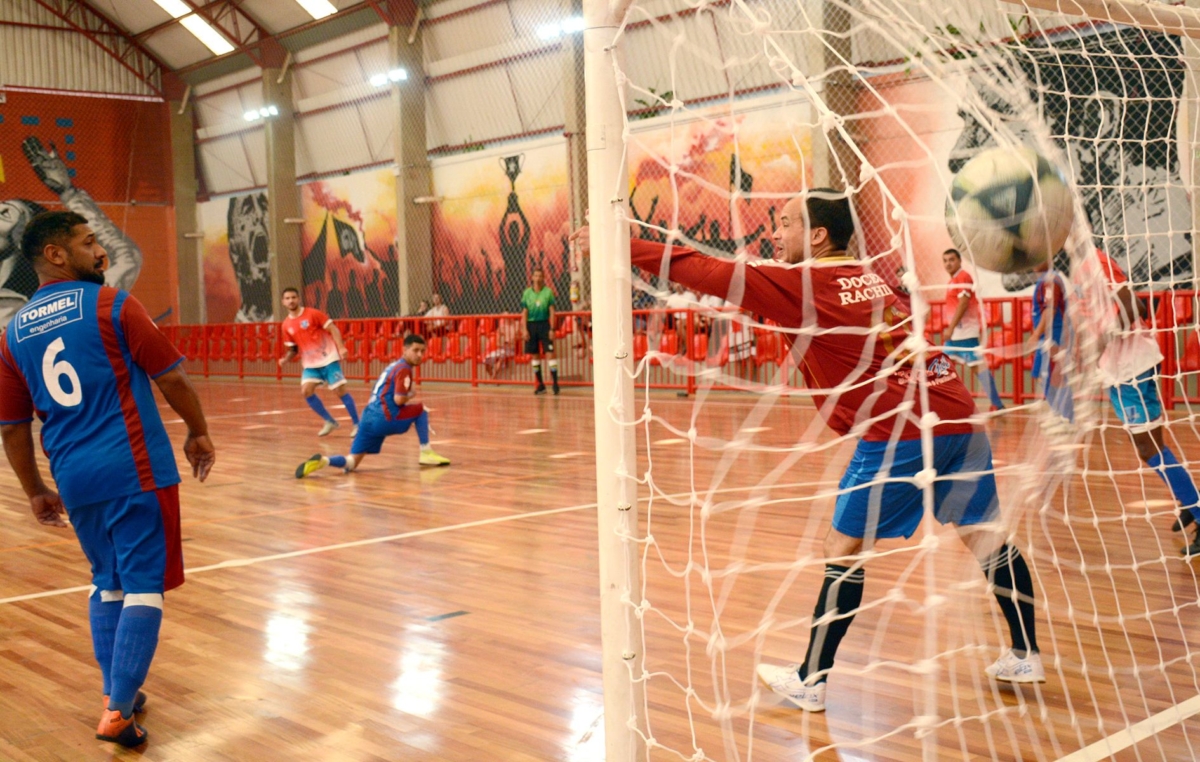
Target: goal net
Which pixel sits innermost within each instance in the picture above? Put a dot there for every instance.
(731, 108)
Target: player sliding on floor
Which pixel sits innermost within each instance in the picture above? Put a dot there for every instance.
(866, 383)
(393, 409)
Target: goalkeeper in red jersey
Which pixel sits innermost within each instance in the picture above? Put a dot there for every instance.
(867, 382)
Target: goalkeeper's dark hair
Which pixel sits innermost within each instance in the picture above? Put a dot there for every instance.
(830, 209)
(413, 338)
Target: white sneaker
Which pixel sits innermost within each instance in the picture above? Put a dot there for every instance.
(1011, 668)
(327, 428)
(785, 681)
(354, 431)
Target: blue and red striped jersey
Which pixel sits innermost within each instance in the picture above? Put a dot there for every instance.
(396, 378)
(81, 357)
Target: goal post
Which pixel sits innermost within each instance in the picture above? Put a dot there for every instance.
(613, 401)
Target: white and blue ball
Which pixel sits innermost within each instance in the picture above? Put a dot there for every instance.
(1009, 210)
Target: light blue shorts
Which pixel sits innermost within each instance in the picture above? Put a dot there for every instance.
(964, 350)
(964, 490)
(1136, 403)
(331, 375)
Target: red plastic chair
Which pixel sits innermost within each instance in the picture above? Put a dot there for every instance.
(1191, 353)
(437, 349)
(640, 346)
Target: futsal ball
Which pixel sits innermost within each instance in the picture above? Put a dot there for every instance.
(1009, 210)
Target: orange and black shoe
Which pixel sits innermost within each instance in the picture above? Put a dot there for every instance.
(123, 730)
(139, 703)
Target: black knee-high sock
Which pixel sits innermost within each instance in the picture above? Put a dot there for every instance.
(841, 594)
(1009, 573)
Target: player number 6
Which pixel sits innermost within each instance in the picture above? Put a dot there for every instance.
(53, 372)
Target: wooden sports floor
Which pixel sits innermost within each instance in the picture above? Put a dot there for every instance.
(452, 614)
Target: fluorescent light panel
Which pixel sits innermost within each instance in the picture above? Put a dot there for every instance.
(176, 8)
(206, 34)
(318, 9)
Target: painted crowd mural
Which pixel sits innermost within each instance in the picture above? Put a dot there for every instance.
(502, 213)
(721, 178)
(348, 245)
(106, 159)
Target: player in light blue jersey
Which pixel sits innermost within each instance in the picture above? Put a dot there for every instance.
(81, 356)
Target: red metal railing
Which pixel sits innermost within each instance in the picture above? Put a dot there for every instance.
(488, 349)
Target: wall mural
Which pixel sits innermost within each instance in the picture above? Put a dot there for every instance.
(732, 174)
(236, 256)
(502, 213)
(106, 159)
(348, 243)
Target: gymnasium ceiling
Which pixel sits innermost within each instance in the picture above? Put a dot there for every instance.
(148, 35)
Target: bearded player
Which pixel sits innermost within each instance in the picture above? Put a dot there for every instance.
(866, 382)
(393, 409)
(311, 334)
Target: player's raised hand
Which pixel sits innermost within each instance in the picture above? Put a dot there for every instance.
(48, 509)
(582, 239)
(47, 165)
(200, 452)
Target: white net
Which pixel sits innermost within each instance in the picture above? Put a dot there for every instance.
(732, 109)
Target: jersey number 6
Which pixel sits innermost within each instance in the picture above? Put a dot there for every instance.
(52, 373)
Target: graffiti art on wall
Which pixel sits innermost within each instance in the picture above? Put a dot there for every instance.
(502, 214)
(720, 181)
(349, 262)
(237, 267)
(108, 160)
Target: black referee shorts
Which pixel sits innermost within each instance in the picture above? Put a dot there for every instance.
(539, 337)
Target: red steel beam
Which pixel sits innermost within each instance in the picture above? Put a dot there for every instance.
(81, 17)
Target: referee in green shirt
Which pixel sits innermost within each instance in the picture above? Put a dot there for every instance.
(537, 307)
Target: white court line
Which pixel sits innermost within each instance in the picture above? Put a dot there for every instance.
(533, 431)
(1140, 731)
(558, 456)
(389, 538)
(670, 441)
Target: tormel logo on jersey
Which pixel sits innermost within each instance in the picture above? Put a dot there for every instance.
(49, 313)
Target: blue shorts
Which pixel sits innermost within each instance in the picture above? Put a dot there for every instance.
(331, 375)
(133, 542)
(963, 350)
(374, 428)
(964, 491)
(1136, 403)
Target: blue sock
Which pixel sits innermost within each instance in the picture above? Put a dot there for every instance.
(1061, 401)
(423, 427)
(348, 401)
(337, 461)
(988, 381)
(133, 650)
(1177, 478)
(318, 407)
(104, 618)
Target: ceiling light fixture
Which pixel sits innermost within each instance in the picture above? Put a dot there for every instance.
(318, 9)
(199, 28)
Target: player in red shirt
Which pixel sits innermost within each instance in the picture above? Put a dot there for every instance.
(1129, 367)
(311, 334)
(964, 329)
(854, 352)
